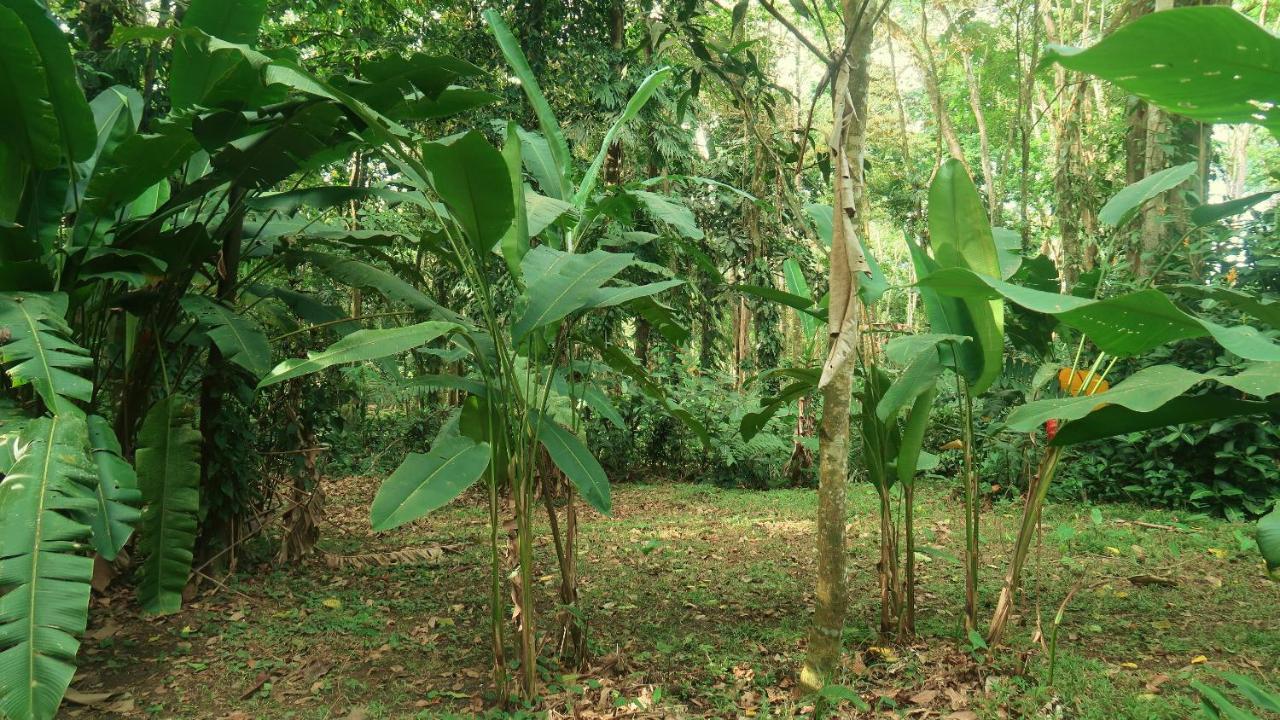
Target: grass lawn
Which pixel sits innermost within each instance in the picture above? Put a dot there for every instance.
(698, 601)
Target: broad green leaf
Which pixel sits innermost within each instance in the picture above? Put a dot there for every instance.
(423, 483)
(947, 316)
(797, 285)
(40, 351)
(359, 346)
(1124, 325)
(415, 86)
(573, 458)
(1009, 250)
(1125, 203)
(140, 162)
(802, 303)
(362, 275)
(1215, 704)
(662, 318)
(45, 579)
(450, 101)
(960, 235)
(327, 196)
(904, 348)
(117, 113)
(670, 211)
(542, 211)
(1262, 698)
(558, 147)
(74, 118)
(472, 179)
(1209, 214)
(1268, 311)
(870, 287)
(635, 104)
(1144, 391)
(515, 241)
(194, 71)
(920, 376)
(1269, 540)
(558, 283)
(168, 467)
(29, 124)
(304, 139)
(1114, 420)
(911, 459)
(536, 154)
(238, 337)
(1210, 64)
(597, 400)
(610, 296)
(116, 490)
(753, 422)
(821, 215)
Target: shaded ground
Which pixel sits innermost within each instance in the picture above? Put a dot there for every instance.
(698, 602)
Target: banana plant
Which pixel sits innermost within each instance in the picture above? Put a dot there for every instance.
(520, 425)
(106, 228)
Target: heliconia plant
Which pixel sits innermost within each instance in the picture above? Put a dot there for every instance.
(961, 239)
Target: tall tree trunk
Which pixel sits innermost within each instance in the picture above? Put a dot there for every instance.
(979, 119)
(849, 91)
(946, 130)
(1153, 160)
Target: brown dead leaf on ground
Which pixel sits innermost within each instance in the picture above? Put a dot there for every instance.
(1153, 685)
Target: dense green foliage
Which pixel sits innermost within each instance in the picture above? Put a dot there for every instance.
(536, 249)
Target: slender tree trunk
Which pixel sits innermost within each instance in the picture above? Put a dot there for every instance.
(984, 144)
(848, 136)
(946, 130)
(1153, 228)
(832, 592)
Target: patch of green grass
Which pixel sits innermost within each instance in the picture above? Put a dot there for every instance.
(700, 597)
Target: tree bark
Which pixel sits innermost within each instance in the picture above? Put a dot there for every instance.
(849, 93)
(1153, 160)
(946, 130)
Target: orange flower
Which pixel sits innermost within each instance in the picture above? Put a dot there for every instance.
(1071, 381)
(1231, 276)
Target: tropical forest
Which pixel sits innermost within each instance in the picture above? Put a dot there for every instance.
(585, 359)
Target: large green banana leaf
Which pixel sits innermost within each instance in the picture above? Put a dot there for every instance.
(169, 476)
(39, 350)
(424, 482)
(116, 491)
(42, 566)
(361, 345)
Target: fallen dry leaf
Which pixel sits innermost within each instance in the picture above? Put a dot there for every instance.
(86, 698)
(1153, 685)
(925, 697)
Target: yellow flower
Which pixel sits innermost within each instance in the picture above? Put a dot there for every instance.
(1071, 381)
